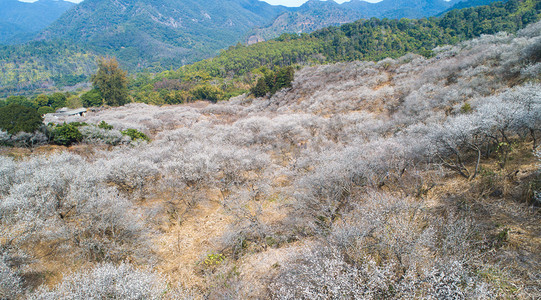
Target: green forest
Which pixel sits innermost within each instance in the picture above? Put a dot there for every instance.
(42, 66)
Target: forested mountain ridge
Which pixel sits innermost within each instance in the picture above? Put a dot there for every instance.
(147, 33)
(316, 14)
(20, 21)
(469, 3)
(372, 39)
(46, 66)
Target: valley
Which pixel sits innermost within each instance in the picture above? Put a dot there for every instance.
(381, 159)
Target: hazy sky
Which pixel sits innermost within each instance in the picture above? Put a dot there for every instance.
(282, 2)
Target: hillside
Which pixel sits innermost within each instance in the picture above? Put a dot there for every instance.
(39, 66)
(139, 45)
(21, 21)
(316, 14)
(469, 3)
(404, 178)
(233, 71)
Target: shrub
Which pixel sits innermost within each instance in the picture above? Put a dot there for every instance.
(61, 197)
(93, 134)
(213, 259)
(107, 281)
(15, 118)
(457, 139)
(10, 282)
(78, 124)
(66, 134)
(130, 173)
(466, 108)
(537, 191)
(324, 272)
(45, 110)
(135, 134)
(5, 138)
(24, 139)
(7, 176)
(104, 125)
(323, 193)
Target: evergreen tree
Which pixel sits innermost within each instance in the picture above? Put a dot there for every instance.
(111, 81)
(66, 134)
(272, 82)
(92, 98)
(57, 100)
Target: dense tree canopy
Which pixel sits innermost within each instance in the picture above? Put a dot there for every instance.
(111, 81)
(15, 118)
(92, 98)
(272, 82)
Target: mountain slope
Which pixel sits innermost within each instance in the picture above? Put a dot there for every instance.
(342, 186)
(232, 72)
(316, 14)
(20, 21)
(470, 3)
(168, 32)
(25, 68)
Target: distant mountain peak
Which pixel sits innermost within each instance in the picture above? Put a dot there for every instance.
(317, 14)
(19, 21)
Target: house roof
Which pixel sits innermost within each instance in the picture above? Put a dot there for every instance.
(63, 112)
(69, 112)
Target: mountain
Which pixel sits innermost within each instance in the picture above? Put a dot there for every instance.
(67, 54)
(161, 34)
(397, 9)
(309, 17)
(144, 33)
(470, 3)
(365, 40)
(20, 21)
(316, 14)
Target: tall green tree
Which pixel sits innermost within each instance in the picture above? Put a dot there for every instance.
(57, 100)
(92, 98)
(111, 81)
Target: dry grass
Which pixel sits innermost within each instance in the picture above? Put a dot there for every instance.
(185, 244)
(511, 227)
